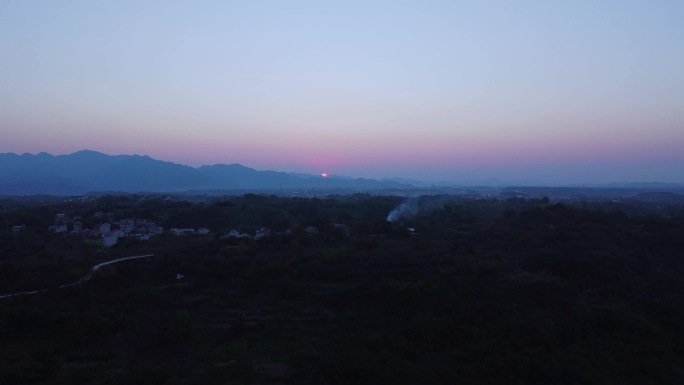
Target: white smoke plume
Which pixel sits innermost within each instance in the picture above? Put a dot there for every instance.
(405, 210)
(415, 205)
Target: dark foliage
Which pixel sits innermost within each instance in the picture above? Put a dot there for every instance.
(482, 292)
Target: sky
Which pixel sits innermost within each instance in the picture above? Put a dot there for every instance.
(527, 92)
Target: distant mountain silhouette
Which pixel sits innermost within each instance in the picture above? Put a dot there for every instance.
(235, 176)
(667, 198)
(90, 171)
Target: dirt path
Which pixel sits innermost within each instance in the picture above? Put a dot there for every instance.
(81, 280)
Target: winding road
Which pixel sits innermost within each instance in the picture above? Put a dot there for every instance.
(81, 280)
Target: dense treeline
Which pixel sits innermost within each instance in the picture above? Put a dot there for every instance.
(478, 292)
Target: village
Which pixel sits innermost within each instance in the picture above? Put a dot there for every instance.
(109, 230)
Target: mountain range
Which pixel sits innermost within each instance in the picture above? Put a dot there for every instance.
(90, 171)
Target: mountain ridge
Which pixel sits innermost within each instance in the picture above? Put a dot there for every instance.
(88, 171)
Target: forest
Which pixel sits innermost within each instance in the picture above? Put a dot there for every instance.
(451, 291)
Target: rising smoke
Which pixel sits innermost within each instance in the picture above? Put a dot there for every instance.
(406, 210)
(414, 205)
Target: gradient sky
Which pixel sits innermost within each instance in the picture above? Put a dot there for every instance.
(540, 92)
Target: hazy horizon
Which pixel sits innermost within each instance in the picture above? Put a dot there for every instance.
(476, 180)
(530, 92)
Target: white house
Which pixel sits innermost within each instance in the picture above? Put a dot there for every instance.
(111, 238)
(105, 228)
(176, 231)
(58, 229)
(61, 219)
(126, 225)
(262, 232)
(311, 230)
(202, 231)
(341, 226)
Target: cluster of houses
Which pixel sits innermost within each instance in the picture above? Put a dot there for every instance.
(262, 232)
(338, 226)
(134, 228)
(109, 233)
(188, 231)
(109, 230)
(265, 231)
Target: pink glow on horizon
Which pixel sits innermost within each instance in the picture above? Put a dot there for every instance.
(437, 156)
(419, 153)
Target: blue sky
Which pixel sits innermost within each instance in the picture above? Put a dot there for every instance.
(527, 92)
